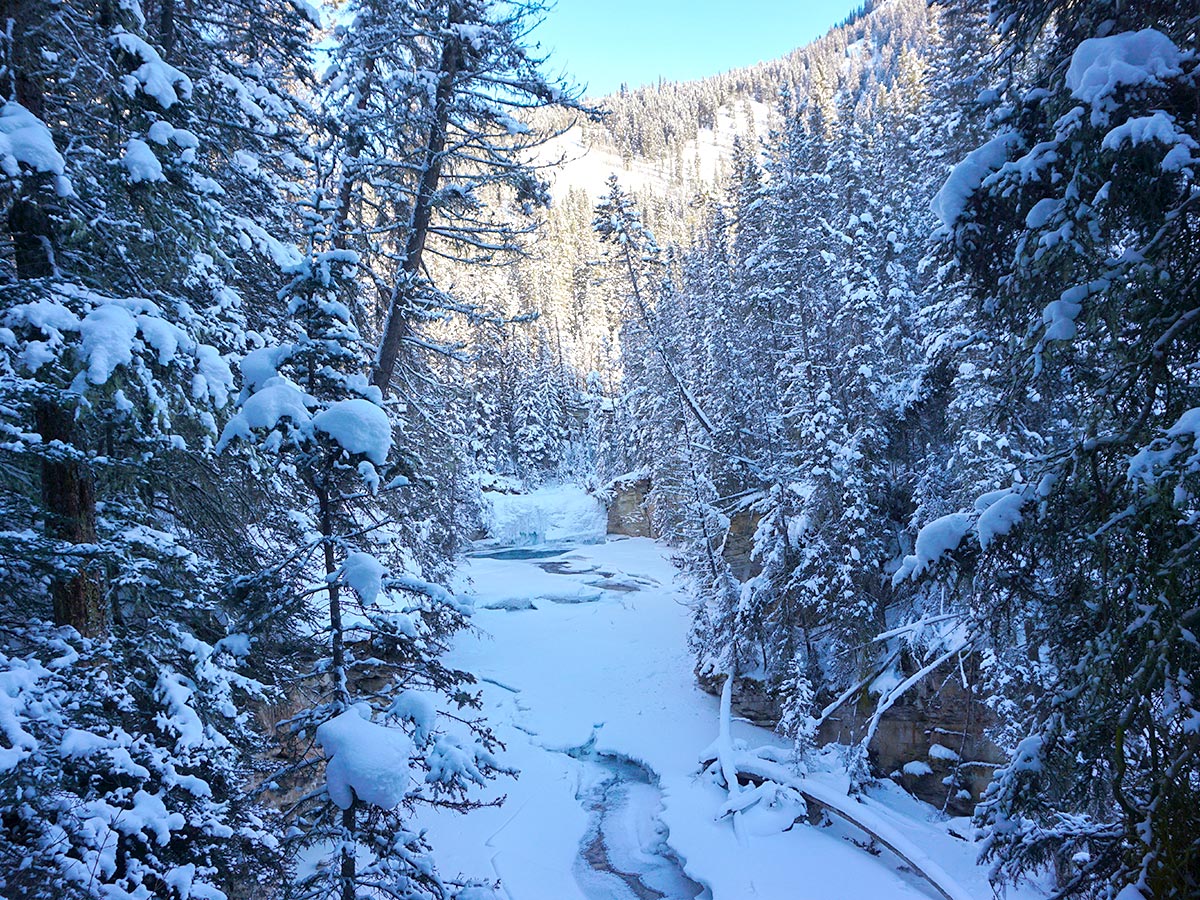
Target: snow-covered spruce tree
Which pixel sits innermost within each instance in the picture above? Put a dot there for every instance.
(753, 319)
(672, 429)
(379, 714)
(817, 488)
(431, 96)
(125, 745)
(1077, 227)
(539, 434)
(429, 102)
(636, 258)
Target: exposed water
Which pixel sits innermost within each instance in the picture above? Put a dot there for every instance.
(537, 552)
(565, 567)
(625, 855)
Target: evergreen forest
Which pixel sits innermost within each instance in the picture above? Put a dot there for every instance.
(857, 392)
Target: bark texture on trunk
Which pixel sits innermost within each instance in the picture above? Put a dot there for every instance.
(400, 307)
(67, 487)
(69, 500)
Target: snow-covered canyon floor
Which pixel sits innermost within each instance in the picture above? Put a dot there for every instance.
(582, 653)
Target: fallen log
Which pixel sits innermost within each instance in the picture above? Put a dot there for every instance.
(753, 770)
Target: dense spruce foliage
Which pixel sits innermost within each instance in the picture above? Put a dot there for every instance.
(226, 523)
(901, 330)
(914, 382)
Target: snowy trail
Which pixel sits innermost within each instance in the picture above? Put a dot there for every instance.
(587, 678)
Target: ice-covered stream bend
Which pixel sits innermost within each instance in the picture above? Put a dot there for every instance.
(580, 640)
(625, 854)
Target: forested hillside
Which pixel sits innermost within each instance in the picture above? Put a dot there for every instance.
(892, 342)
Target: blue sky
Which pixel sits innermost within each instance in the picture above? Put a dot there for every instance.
(606, 42)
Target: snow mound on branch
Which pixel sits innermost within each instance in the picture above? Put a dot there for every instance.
(114, 333)
(551, 514)
(1160, 128)
(364, 573)
(1100, 66)
(1000, 517)
(365, 760)
(18, 687)
(153, 77)
(140, 162)
(418, 708)
(934, 541)
(359, 427)
(311, 13)
(1147, 464)
(276, 400)
(939, 751)
(24, 138)
(108, 333)
(951, 201)
(261, 365)
(1187, 425)
(476, 892)
(996, 514)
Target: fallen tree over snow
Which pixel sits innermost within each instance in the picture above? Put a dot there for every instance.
(766, 776)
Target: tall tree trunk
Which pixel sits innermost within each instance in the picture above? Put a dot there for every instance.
(166, 28)
(400, 305)
(68, 489)
(69, 499)
(17, 17)
(341, 684)
(348, 867)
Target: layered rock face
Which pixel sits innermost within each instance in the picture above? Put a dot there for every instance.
(933, 740)
(629, 509)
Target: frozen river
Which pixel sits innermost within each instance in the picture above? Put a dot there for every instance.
(581, 651)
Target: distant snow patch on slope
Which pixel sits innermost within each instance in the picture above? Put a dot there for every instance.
(548, 515)
(587, 167)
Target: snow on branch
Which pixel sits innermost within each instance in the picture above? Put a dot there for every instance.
(995, 515)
